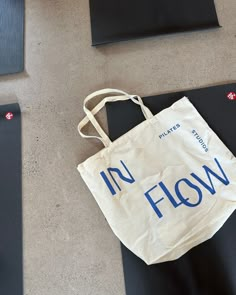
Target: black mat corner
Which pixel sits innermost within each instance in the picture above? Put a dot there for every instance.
(11, 36)
(210, 268)
(113, 21)
(11, 245)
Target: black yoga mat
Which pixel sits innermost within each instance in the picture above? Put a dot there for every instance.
(209, 268)
(11, 273)
(11, 36)
(113, 21)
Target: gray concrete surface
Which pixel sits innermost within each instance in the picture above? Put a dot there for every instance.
(68, 246)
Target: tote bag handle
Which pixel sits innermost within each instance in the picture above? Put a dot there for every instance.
(90, 114)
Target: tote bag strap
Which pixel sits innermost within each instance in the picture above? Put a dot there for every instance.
(90, 114)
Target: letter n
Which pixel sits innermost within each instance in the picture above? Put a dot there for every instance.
(111, 171)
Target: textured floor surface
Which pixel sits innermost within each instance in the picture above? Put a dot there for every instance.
(68, 246)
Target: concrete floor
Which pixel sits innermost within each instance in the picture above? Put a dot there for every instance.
(68, 246)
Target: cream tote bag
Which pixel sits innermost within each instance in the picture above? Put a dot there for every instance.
(166, 185)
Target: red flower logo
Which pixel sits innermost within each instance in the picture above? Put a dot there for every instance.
(9, 116)
(231, 95)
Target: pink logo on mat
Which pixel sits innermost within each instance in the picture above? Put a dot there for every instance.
(231, 95)
(9, 116)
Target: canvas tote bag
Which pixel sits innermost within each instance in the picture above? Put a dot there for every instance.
(166, 185)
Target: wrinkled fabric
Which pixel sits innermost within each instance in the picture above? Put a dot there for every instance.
(165, 186)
